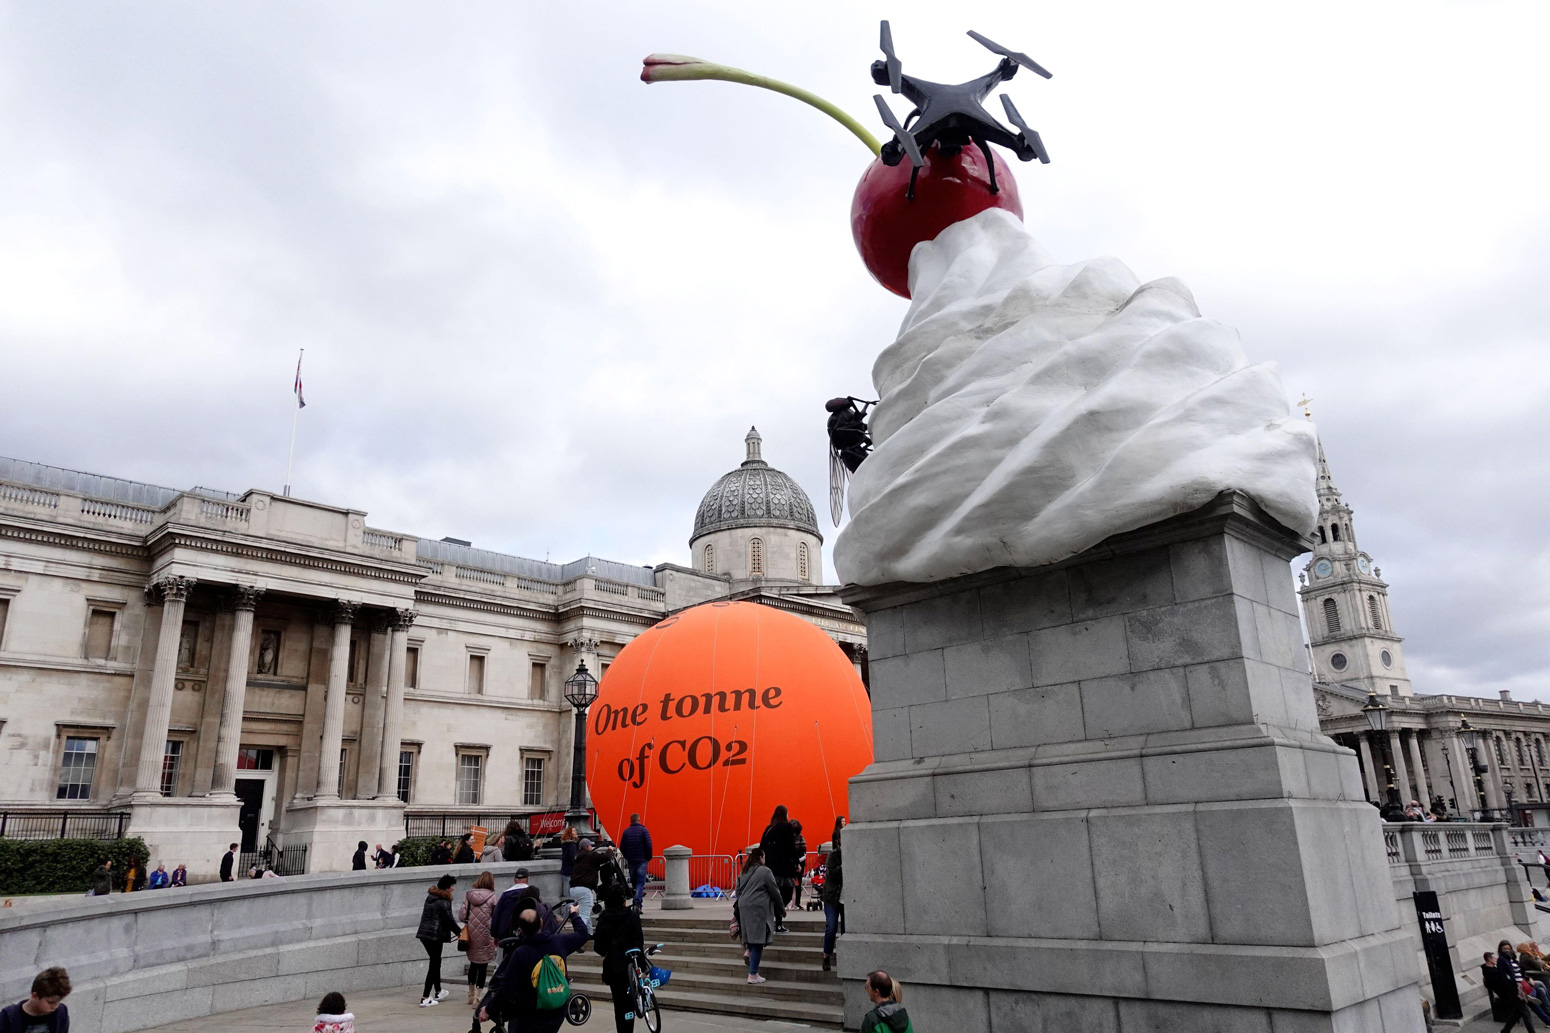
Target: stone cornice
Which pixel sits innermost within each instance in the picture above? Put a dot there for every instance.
(426, 596)
(173, 537)
(584, 608)
(113, 545)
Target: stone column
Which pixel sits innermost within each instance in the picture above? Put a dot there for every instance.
(393, 714)
(1463, 781)
(675, 867)
(225, 781)
(158, 715)
(1100, 800)
(1369, 772)
(333, 707)
(1401, 774)
(378, 661)
(1485, 749)
(1419, 769)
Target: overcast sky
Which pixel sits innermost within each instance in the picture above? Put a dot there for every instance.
(542, 302)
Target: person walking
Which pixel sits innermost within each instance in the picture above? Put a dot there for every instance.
(780, 850)
(888, 1015)
(759, 909)
(478, 909)
(465, 850)
(333, 1015)
(799, 848)
(436, 930)
(635, 846)
(441, 853)
(1528, 994)
(44, 1011)
(833, 886)
(358, 862)
(619, 931)
(160, 880)
(514, 999)
(584, 880)
(516, 844)
(228, 859)
(101, 880)
(382, 858)
(570, 846)
(180, 876)
(134, 876)
(503, 919)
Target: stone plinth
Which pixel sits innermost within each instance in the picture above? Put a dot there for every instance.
(188, 830)
(330, 829)
(1101, 801)
(675, 868)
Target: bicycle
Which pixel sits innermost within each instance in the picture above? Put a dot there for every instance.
(643, 988)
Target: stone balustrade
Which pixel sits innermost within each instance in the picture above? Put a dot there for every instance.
(146, 959)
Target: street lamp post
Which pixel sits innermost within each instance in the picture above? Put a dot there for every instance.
(1447, 762)
(1377, 715)
(580, 691)
(1467, 740)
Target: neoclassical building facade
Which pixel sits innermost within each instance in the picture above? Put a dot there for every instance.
(1423, 753)
(269, 670)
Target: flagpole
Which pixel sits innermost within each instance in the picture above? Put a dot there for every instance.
(295, 412)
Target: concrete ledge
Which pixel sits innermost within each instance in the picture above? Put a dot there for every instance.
(145, 959)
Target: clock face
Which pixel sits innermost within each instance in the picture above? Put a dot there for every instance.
(1363, 564)
(1323, 568)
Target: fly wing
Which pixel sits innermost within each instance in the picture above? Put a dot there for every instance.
(839, 475)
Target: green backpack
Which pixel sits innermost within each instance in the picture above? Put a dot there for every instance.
(550, 986)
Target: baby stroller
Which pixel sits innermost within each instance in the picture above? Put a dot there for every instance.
(815, 887)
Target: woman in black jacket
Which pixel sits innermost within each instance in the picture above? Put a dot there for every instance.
(437, 927)
(465, 850)
(618, 931)
(780, 853)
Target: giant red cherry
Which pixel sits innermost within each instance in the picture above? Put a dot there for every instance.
(887, 225)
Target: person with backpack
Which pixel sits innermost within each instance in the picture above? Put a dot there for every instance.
(618, 932)
(436, 930)
(584, 879)
(889, 1015)
(531, 988)
(780, 853)
(758, 909)
(635, 848)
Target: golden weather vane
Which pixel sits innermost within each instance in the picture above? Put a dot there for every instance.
(1303, 403)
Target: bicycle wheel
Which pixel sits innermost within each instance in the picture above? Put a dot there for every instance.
(646, 998)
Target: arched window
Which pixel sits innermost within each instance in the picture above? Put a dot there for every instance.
(1539, 750)
(1323, 538)
(1334, 529)
(1501, 754)
(1377, 616)
(755, 557)
(710, 558)
(1331, 617)
(1518, 747)
(802, 560)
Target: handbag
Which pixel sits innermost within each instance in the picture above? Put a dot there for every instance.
(462, 940)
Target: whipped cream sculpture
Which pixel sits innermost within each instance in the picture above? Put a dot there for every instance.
(1027, 410)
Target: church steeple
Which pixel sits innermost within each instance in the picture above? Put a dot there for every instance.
(1346, 603)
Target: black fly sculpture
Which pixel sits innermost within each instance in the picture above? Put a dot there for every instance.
(849, 444)
(953, 116)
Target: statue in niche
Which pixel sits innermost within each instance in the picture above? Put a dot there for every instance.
(269, 652)
(187, 642)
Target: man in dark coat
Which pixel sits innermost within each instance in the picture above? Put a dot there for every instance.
(441, 853)
(513, 998)
(102, 880)
(584, 879)
(227, 860)
(358, 862)
(635, 846)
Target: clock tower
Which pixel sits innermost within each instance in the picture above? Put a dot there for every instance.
(1345, 604)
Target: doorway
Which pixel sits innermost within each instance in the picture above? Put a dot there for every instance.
(250, 792)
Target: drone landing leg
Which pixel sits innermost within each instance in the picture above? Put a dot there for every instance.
(909, 195)
(990, 163)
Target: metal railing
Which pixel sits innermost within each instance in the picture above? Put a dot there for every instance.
(63, 824)
(451, 826)
(282, 860)
(718, 870)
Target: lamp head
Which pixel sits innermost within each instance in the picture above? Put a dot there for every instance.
(581, 687)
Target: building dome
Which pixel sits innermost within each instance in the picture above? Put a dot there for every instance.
(755, 495)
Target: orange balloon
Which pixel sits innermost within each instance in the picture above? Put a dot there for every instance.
(707, 721)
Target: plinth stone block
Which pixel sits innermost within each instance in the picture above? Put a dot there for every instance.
(1101, 802)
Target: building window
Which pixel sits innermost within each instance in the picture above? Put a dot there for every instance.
(755, 557)
(405, 773)
(1539, 750)
(1501, 754)
(710, 559)
(476, 674)
(1323, 538)
(1518, 749)
(171, 761)
(5, 610)
(537, 680)
(77, 769)
(1334, 529)
(412, 667)
(356, 664)
(802, 560)
(99, 634)
(344, 756)
(1338, 661)
(1331, 617)
(532, 781)
(188, 645)
(470, 779)
(1372, 608)
(1387, 658)
(253, 758)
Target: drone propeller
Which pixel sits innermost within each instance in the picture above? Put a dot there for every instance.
(1028, 134)
(895, 66)
(1022, 59)
(906, 140)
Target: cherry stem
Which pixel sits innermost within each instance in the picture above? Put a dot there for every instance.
(675, 68)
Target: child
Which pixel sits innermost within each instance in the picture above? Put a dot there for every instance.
(44, 1011)
(889, 1016)
(332, 1018)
